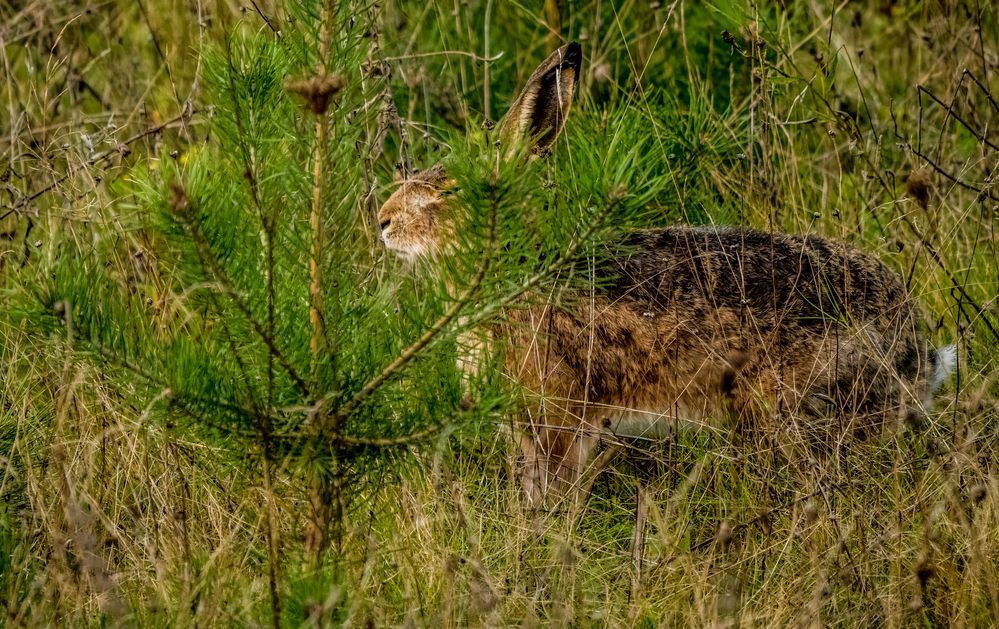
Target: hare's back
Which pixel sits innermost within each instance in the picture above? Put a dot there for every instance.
(807, 283)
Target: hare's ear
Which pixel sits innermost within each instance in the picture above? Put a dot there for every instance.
(539, 113)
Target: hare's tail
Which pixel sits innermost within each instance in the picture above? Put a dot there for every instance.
(943, 359)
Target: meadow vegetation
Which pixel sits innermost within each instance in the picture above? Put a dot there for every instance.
(223, 403)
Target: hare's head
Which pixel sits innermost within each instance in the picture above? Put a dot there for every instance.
(415, 221)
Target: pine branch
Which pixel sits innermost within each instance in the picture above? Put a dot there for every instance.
(553, 269)
(149, 378)
(211, 265)
(408, 354)
(389, 442)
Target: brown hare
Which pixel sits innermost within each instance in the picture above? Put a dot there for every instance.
(693, 325)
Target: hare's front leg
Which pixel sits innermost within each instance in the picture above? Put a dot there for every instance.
(556, 455)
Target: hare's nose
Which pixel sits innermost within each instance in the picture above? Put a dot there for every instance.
(384, 223)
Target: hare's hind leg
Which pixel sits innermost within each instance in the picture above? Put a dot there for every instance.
(852, 391)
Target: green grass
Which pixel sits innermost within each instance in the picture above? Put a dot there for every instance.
(136, 486)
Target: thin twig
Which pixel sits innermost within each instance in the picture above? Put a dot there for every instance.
(951, 178)
(94, 160)
(164, 60)
(266, 19)
(950, 112)
(452, 53)
(905, 219)
(985, 90)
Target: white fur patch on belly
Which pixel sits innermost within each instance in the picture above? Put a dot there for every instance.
(654, 423)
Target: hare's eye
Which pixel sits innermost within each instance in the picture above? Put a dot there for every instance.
(449, 192)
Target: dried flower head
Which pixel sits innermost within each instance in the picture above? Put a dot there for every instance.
(317, 90)
(919, 185)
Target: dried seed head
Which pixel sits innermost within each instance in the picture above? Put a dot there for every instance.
(811, 512)
(923, 570)
(919, 185)
(317, 90)
(567, 554)
(602, 72)
(724, 536)
(178, 201)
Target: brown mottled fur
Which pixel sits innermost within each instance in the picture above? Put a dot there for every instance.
(688, 325)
